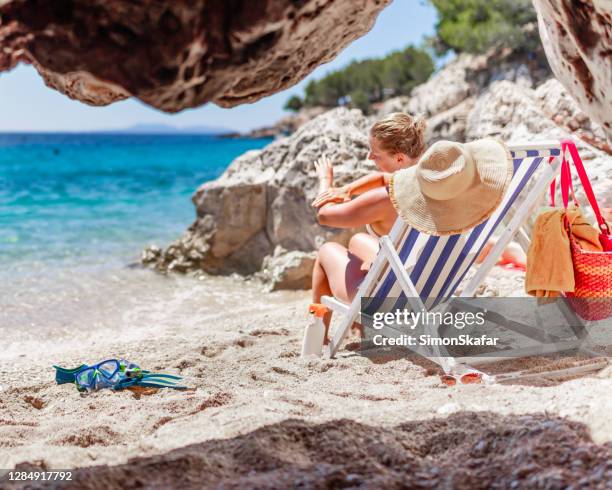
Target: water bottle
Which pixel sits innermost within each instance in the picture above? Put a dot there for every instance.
(315, 331)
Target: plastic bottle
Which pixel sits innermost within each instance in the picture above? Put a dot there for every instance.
(315, 331)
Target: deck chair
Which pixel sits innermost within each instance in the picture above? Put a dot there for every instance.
(426, 270)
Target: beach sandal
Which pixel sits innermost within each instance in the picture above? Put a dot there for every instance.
(116, 374)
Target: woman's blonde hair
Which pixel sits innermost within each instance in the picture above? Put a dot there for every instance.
(401, 133)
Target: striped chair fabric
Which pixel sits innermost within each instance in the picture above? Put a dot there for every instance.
(437, 265)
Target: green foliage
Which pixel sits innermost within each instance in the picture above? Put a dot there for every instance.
(360, 100)
(474, 26)
(293, 104)
(363, 82)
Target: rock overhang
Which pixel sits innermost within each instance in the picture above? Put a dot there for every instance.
(180, 54)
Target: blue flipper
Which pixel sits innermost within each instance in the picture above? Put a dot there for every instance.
(64, 375)
(150, 382)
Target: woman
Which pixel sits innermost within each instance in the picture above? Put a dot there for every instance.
(396, 142)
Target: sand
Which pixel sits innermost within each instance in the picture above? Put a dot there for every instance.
(261, 416)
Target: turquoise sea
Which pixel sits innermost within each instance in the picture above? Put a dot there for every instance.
(77, 209)
(93, 198)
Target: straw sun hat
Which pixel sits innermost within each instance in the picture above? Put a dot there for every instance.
(453, 187)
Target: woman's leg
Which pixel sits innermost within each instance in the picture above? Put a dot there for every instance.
(338, 270)
(320, 287)
(362, 249)
(343, 270)
(365, 246)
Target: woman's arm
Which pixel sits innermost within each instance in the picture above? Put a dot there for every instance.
(356, 188)
(367, 182)
(369, 207)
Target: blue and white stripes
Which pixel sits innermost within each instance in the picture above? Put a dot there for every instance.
(436, 265)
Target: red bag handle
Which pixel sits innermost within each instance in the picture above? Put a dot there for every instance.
(566, 180)
(553, 185)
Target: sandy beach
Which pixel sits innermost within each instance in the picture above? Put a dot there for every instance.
(260, 411)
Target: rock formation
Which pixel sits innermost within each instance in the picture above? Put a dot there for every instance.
(287, 270)
(257, 216)
(577, 38)
(178, 54)
(448, 96)
(259, 209)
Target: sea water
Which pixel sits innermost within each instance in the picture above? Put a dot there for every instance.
(77, 209)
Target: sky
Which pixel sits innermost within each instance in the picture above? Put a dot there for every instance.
(26, 104)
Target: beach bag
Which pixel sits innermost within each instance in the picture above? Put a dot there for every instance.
(592, 296)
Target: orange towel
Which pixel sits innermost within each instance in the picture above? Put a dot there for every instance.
(549, 259)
